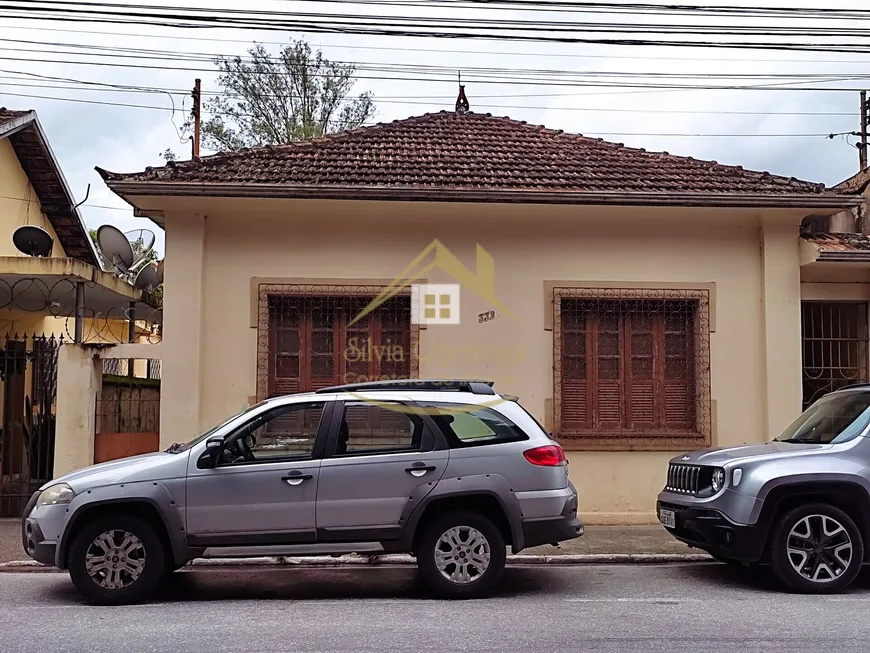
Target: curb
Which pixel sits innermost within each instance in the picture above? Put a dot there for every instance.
(400, 560)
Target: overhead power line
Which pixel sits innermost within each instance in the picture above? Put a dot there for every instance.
(447, 76)
(621, 133)
(453, 50)
(129, 209)
(453, 27)
(116, 52)
(574, 6)
(408, 100)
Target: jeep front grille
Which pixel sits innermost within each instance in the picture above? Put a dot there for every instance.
(685, 479)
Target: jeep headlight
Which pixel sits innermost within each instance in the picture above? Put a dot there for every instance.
(718, 479)
(51, 496)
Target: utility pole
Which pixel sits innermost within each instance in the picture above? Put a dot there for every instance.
(197, 111)
(862, 146)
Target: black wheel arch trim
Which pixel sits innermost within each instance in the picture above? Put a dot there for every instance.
(855, 497)
(172, 524)
(490, 485)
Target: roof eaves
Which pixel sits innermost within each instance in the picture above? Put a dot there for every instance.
(841, 256)
(9, 127)
(68, 192)
(128, 189)
(30, 119)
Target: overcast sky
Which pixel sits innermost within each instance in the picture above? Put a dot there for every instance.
(127, 139)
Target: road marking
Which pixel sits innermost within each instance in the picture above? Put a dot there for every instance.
(651, 599)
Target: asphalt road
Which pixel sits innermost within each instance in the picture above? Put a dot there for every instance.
(631, 608)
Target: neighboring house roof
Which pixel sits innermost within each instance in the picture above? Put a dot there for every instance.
(468, 156)
(857, 183)
(839, 246)
(28, 140)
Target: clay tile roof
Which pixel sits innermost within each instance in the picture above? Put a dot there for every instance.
(471, 151)
(6, 115)
(839, 242)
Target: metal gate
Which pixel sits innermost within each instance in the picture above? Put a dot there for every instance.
(28, 375)
(128, 409)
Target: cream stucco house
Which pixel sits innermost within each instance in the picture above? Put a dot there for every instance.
(639, 303)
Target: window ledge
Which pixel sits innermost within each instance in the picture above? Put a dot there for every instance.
(646, 441)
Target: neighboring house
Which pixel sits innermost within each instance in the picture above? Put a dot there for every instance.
(640, 303)
(33, 191)
(38, 300)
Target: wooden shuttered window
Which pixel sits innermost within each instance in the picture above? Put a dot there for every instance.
(628, 367)
(312, 342)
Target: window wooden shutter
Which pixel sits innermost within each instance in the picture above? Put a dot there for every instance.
(285, 347)
(628, 367)
(640, 345)
(678, 373)
(312, 345)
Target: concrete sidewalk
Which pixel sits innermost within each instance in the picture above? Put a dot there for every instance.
(597, 540)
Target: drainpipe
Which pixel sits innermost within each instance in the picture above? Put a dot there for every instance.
(80, 313)
(131, 336)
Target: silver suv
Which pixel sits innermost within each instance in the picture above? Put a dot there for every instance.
(800, 503)
(449, 471)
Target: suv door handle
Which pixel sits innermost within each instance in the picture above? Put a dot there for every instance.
(295, 478)
(418, 469)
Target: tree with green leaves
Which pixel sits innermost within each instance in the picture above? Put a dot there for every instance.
(268, 100)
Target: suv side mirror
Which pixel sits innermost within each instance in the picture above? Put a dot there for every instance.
(214, 448)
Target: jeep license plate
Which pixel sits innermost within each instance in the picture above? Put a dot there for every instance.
(667, 518)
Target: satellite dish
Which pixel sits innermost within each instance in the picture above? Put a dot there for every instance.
(145, 238)
(115, 247)
(147, 278)
(141, 243)
(160, 270)
(33, 241)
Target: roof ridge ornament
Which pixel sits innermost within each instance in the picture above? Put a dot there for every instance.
(461, 101)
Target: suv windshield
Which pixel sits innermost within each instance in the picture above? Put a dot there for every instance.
(832, 419)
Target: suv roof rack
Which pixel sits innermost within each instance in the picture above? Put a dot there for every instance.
(478, 387)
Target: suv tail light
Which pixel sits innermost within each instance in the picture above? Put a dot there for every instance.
(550, 455)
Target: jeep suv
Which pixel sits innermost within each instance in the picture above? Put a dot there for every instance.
(800, 503)
(448, 471)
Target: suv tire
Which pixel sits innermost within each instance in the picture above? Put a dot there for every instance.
(117, 560)
(465, 546)
(816, 541)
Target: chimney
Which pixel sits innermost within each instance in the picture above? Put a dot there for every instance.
(461, 101)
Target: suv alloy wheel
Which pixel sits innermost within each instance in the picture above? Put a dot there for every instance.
(116, 560)
(461, 555)
(816, 548)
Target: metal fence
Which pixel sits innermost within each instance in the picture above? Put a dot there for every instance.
(28, 378)
(148, 369)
